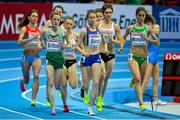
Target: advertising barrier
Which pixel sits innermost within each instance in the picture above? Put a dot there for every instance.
(12, 13)
(123, 15)
(171, 76)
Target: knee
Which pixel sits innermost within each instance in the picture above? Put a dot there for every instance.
(50, 85)
(36, 76)
(137, 80)
(103, 75)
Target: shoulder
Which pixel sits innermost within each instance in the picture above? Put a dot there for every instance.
(97, 24)
(62, 30)
(39, 29)
(23, 29)
(148, 27)
(47, 24)
(115, 25)
(130, 27)
(75, 34)
(84, 30)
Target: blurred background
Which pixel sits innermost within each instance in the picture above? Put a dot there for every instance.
(166, 13)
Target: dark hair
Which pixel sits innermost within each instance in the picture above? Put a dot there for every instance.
(25, 21)
(52, 14)
(98, 10)
(149, 19)
(90, 11)
(140, 9)
(68, 17)
(58, 6)
(105, 6)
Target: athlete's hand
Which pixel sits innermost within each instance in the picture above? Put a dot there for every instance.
(144, 36)
(40, 48)
(106, 52)
(62, 45)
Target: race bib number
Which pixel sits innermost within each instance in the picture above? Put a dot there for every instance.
(69, 52)
(34, 41)
(137, 39)
(53, 45)
(94, 40)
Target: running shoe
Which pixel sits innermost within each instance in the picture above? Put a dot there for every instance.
(90, 112)
(66, 108)
(142, 107)
(99, 103)
(86, 99)
(159, 103)
(53, 112)
(22, 87)
(33, 103)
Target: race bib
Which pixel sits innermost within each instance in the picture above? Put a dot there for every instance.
(94, 40)
(137, 39)
(34, 41)
(53, 45)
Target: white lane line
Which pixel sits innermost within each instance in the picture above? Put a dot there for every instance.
(10, 50)
(20, 113)
(43, 86)
(17, 58)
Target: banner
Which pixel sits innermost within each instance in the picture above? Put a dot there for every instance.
(124, 15)
(12, 13)
(169, 21)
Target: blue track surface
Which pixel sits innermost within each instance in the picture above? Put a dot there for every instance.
(15, 105)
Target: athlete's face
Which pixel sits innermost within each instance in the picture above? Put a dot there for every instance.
(141, 15)
(68, 24)
(92, 18)
(156, 29)
(99, 16)
(33, 18)
(56, 20)
(108, 14)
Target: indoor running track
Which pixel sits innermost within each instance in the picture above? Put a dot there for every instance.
(16, 105)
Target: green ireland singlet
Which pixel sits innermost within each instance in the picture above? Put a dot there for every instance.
(54, 55)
